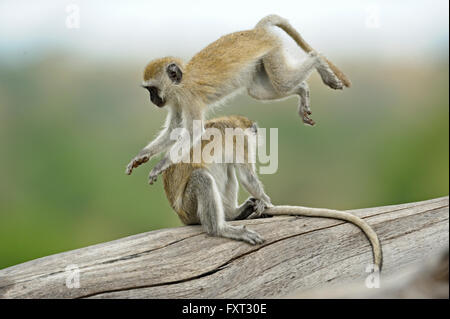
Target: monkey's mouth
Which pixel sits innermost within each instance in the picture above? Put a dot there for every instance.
(157, 100)
(154, 96)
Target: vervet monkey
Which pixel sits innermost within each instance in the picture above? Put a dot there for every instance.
(207, 193)
(253, 60)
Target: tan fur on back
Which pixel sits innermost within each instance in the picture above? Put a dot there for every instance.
(222, 60)
(176, 177)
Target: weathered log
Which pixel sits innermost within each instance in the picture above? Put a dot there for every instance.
(426, 279)
(300, 253)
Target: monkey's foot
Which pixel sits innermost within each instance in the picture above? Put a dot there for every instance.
(328, 77)
(251, 237)
(304, 111)
(306, 119)
(135, 162)
(242, 233)
(246, 209)
(260, 206)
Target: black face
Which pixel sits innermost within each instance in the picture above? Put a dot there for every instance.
(154, 96)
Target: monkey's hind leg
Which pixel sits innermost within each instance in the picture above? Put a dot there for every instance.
(285, 78)
(262, 89)
(210, 209)
(275, 79)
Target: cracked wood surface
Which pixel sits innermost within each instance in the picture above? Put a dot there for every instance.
(300, 253)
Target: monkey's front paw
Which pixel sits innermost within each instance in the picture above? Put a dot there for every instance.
(158, 169)
(153, 176)
(135, 162)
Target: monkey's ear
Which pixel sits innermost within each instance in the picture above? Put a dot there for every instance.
(174, 73)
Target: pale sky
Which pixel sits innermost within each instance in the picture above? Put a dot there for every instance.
(138, 29)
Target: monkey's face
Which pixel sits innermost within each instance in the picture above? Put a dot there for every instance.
(160, 78)
(155, 96)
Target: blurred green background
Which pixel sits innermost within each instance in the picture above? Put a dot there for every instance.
(70, 123)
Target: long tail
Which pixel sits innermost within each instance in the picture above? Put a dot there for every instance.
(274, 20)
(329, 213)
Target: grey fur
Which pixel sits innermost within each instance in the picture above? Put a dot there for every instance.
(206, 193)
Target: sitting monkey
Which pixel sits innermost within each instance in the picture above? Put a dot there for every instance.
(207, 193)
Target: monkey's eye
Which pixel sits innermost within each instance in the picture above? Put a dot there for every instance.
(174, 73)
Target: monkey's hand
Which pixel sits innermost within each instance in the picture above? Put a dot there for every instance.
(259, 207)
(135, 162)
(158, 169)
